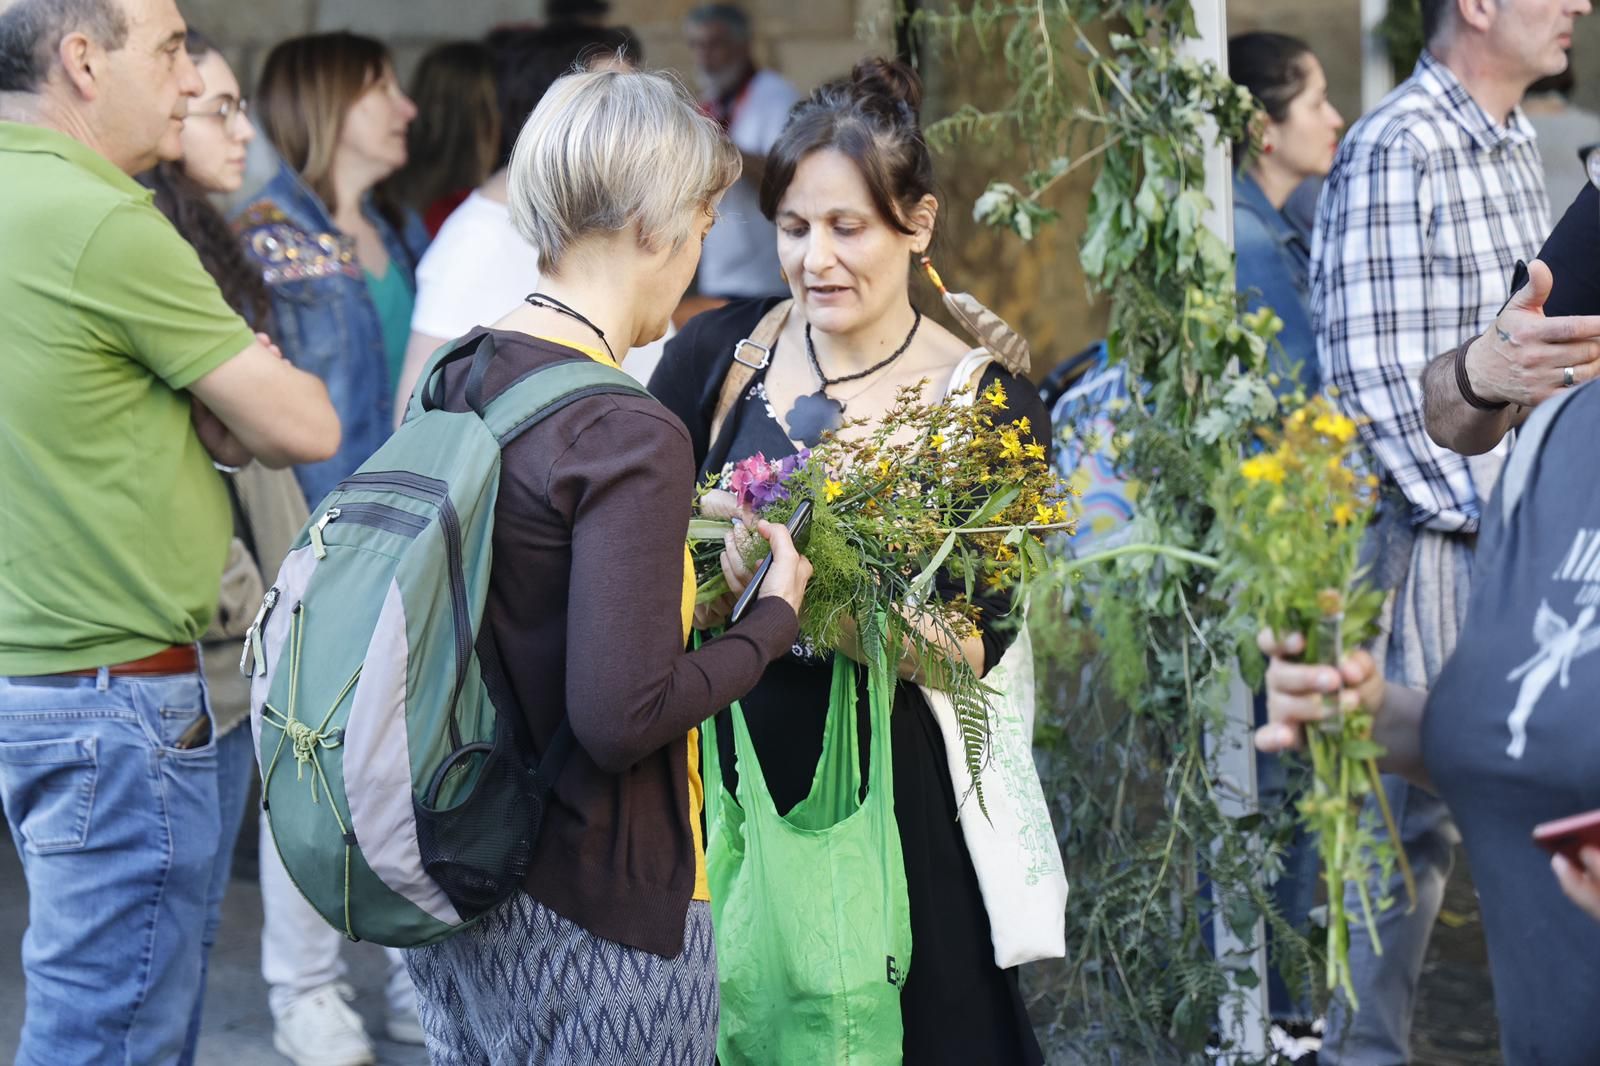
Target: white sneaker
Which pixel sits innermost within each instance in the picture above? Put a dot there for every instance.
(320, 1029)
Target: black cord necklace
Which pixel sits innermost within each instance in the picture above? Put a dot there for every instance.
(818, 413)
(550, 303)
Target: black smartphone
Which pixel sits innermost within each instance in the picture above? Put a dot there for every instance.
(197, 735)
(798, 525)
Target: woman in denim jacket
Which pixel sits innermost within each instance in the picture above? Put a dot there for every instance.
(339, 262)
(1298, 140)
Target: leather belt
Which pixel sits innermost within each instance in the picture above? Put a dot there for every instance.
(178, 659)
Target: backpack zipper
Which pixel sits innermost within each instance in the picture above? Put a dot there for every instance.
(436, 492)
(319, 549)
(253, 660)
(382, 516)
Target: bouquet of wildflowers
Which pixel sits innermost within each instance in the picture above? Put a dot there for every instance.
(946, 488)
(1293, 516)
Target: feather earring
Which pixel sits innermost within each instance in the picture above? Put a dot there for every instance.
(984, 326)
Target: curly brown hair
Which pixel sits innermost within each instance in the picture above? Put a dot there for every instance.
(189, 207)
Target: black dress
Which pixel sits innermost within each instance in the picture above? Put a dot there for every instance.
(957, 1006)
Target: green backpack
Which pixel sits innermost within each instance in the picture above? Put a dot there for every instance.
(394, 762)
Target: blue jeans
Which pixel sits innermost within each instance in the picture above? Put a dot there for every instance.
(236, 768)
(117, 830)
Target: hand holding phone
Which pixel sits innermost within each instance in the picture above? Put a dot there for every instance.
(799, 525)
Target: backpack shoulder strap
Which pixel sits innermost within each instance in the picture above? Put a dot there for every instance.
(1530, 438)
(749, 356)
(541, 393)
(428, 393)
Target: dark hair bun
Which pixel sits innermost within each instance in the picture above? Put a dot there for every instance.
(890, 86)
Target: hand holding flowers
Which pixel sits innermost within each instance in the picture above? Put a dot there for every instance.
(1294, 515)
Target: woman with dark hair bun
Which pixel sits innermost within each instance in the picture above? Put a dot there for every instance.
(850, 186)
(1299, 135)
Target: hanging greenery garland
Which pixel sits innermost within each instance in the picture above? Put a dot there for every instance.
(1152, 851)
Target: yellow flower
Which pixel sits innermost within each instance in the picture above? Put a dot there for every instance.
(1338, 427)
(1043, 514)
(996, 580)
(1023, 425)
(1370, 481)
(1343, 515)
(1034, 451)
(1010, 444)
(937, 440)
(883, 467)
(1298, 418)
(1263, 468)
(1003, 553)
(996, 395)
(832, 489)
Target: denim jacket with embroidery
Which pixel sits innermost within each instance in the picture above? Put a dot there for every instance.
(325, 318)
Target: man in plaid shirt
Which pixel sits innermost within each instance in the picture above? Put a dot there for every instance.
(1433, 198)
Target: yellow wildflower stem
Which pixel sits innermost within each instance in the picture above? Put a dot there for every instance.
(1394, 835)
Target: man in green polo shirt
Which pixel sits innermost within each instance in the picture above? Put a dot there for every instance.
(123, 374)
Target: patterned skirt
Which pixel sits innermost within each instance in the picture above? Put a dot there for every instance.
(527, 987)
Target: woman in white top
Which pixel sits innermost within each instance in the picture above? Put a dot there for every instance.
(479, 267)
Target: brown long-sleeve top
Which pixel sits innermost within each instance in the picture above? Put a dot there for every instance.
(585, 599)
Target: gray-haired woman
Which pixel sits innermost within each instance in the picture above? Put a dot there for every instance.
(607, 956)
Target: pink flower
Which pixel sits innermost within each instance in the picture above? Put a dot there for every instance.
(758, 483)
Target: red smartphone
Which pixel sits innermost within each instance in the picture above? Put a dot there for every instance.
(1567, 835)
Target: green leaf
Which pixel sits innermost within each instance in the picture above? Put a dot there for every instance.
(1242, 914)
(708, 528)
(992, 507)
(922, 584)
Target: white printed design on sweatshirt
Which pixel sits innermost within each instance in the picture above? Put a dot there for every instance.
(1559, 644)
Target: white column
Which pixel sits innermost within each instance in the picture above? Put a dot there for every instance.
(1243, 1016)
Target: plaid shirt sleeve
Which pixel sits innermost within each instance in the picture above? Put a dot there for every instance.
(1374, 301)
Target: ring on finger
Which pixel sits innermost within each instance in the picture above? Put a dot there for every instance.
(1568, 378)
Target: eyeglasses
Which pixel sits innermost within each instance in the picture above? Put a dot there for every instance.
(226, 111)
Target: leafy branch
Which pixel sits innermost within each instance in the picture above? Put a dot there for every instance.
(1136, 664)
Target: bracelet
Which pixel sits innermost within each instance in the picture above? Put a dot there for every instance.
(225, 468)
(1466, 387)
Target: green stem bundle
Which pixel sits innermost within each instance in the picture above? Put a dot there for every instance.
(1344, 769)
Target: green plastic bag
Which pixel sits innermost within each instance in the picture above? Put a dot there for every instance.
(813, 924)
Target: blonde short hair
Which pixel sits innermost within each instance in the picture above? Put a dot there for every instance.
(609, 149)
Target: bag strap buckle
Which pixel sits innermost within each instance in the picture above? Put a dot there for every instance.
(759, 364)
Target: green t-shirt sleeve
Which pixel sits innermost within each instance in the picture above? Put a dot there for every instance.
(140, 285)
